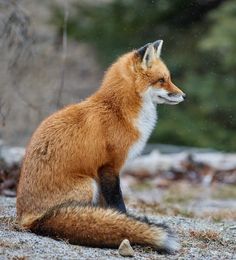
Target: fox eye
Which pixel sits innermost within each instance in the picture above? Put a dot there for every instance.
(161, 80)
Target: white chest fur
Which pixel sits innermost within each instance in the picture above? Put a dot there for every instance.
(145, 123)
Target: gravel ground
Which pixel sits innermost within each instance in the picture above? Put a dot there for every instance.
(200, 239)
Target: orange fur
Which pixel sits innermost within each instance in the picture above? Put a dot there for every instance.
(67, 150)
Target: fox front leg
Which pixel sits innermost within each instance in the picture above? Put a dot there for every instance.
(110, 189)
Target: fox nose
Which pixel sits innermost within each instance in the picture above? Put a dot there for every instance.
(184, 96)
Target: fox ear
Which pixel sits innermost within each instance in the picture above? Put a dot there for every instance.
(158, 46)
(147, 54)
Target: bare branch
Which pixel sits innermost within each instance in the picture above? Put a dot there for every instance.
(24, 99)
(18, 40)
(15, 34)
(64, 54)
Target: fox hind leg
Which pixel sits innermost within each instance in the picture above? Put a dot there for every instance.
(85, 191)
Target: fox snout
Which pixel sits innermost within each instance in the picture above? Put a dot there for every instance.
(164, 96)
(172, 94)
(182, 94)
(173, 90)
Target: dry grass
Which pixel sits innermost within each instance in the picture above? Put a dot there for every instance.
(221, 215)
(9, 222)
(20, 257)
(6, 244)
(158, 209)
(224, 192)
(205, 235)
(168, 209)
(182, 192)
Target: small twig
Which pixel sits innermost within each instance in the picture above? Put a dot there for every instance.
(4, 114)
(25, 101)
(64, 54)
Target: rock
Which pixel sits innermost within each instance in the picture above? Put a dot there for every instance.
(125, 248)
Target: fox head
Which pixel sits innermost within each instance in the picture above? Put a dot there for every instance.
(152, 77)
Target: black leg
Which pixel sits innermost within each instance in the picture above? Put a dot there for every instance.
(110, 189)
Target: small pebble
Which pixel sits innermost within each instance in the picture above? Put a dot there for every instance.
(125, 248)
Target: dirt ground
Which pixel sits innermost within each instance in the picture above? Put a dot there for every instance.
(202, 237)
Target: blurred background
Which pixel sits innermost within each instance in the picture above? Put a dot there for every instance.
(41, 72)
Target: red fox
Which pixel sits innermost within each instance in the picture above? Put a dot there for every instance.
(69, 184)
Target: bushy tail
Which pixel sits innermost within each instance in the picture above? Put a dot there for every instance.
(98, 227)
